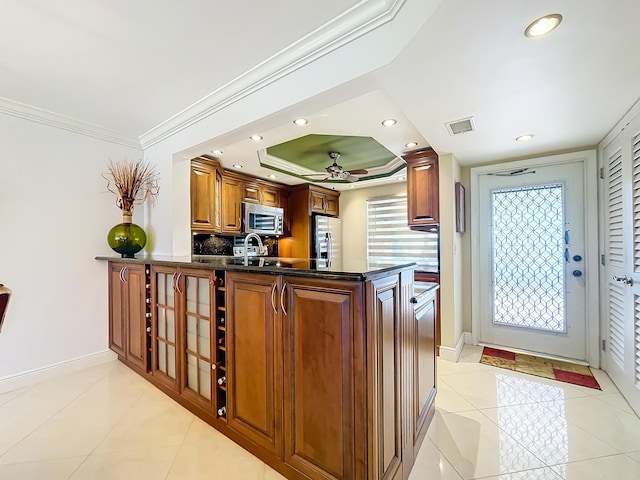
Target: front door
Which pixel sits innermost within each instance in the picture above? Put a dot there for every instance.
(532, 260)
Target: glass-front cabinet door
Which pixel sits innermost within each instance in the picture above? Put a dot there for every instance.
(164, 325)
(198, 304)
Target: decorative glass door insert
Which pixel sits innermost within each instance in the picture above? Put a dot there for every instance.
(528, 245)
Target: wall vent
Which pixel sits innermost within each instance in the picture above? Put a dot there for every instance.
(463, 125)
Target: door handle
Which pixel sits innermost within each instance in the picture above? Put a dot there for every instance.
(124, 272)
(284, 287)
(626, 280)
(177, 284)
(273, 298)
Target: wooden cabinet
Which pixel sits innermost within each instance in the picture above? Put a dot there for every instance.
(424, 364)
(231, 211)
(423, 203)
(323, 355)
(433, 278)
(261, 194)
(128, 313)
(184, 333)
(386, 351)
(205, 212)
(323, 201)
(306, 200)
(254, 359)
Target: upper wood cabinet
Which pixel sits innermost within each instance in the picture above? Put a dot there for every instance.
(231, 211)
(261, 194)
(423, 201)
(205, 206)
(323, 201)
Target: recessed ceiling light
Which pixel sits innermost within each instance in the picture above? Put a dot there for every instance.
(272, 176)
(411, 144)
(524, 138)
(389, 122)
(543, 25)
(256, 138)
(237, 165)
(216, 152)
(301, 121)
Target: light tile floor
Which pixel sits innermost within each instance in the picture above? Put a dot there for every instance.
(108, 423)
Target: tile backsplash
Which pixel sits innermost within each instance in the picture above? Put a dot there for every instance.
(206, 244)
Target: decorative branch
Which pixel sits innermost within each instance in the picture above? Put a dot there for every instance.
(132, 183)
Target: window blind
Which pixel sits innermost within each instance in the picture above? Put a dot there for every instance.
(390, 242)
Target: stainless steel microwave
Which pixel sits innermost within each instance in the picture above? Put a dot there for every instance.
(262, 219)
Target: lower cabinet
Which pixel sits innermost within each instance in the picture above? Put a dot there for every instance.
(254, 358)
(324, 391)
(322, 379)
(128, 313)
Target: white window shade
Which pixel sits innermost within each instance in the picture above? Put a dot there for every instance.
(390, 242)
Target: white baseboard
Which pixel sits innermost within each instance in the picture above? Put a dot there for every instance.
(30, 377)
(453, 354)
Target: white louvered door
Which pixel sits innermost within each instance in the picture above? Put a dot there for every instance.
(621, 164)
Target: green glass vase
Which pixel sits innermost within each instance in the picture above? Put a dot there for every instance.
(127, 238)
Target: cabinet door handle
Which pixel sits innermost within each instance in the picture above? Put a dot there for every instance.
(284, 287)
(178, 283)
(124, 272)
(173, 281)
(121, 274)
(273, 298)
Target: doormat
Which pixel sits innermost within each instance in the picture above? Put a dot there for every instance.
(539, 366)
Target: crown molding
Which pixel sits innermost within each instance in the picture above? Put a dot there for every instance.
(45, 117)
(362, 18)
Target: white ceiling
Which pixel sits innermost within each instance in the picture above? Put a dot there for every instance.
(130, 66)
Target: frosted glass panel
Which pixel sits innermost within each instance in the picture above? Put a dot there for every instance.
(162, 327)
(171, 327)
(204, 340)
(162, 357)
(192, 334)
(205, 380)
(171, 361)
(203, 297)
(161, 285)
(192, 373)
(170, 293)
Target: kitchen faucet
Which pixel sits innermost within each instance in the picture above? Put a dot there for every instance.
(261, 248)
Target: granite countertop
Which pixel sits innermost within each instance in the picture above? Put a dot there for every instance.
(303, 267)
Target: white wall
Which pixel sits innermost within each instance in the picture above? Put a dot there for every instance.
(353, 211)
(54, 218)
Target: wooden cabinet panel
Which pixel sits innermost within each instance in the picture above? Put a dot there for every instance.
(254, 376)
(117, 301)
(321, 351)
(423, 204)
(332, 205)
(425, 365)
(316, 201)
(231, 211)
(385, 324)
(251, 193)
(127, 313)
(203, 182)
(269, 196)
(135, 282)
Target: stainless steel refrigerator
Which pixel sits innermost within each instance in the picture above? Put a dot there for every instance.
(327, 240)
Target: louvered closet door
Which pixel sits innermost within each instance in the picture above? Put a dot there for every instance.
(622, 263)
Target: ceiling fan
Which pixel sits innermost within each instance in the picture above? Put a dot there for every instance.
(337, 172)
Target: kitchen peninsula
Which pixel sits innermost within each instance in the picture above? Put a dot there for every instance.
(321, 373)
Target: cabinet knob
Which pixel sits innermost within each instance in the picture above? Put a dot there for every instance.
(414, 300)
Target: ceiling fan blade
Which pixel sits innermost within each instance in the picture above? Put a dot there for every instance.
(313, 174)
(360, 171)
(351, 178)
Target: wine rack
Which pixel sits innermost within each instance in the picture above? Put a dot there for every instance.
(148, 314)
(221, 346)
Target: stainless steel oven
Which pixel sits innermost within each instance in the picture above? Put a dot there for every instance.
(262, 220)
